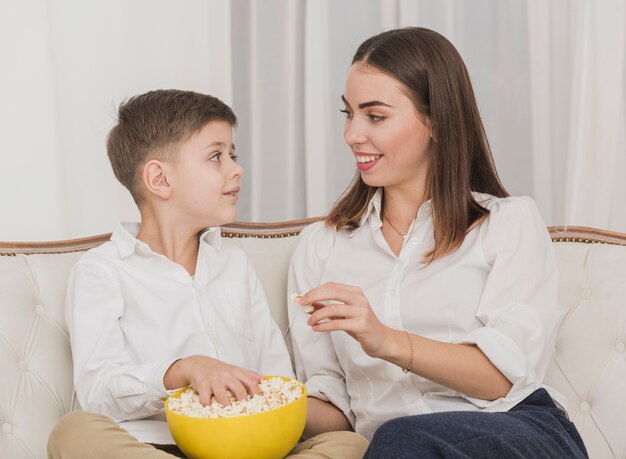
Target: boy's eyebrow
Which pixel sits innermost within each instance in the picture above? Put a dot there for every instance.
(372, 103)
(220, 144)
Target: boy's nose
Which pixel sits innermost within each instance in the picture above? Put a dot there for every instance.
(237, 170)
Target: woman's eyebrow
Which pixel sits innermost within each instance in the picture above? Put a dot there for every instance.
(372, 103)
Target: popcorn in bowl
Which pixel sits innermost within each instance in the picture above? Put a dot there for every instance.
(275, 392)
(265, 426)
(296, 297)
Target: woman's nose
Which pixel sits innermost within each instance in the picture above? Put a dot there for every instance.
(353, 133)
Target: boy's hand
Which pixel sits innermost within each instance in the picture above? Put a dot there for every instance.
(211, 377)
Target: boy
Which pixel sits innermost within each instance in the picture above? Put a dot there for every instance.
(163, 304)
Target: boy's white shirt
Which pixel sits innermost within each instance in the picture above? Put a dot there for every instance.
(499, 291)
(132, 312)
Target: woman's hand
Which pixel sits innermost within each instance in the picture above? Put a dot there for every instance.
(461, 367)
(211, 377)
(353, 315)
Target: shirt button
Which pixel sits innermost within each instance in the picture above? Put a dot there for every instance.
(39, 310)
(585, 407)
(23, 365)
(585, 293)
(7, 428)
(620, 347)
(414, 241)
(404, 386)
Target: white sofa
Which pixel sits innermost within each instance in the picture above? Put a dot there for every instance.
(589, 365)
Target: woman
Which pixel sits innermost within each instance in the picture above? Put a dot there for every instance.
(434, 292)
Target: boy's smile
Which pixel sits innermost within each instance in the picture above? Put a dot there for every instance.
(233, 193)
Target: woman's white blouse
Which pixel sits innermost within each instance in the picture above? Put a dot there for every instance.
(499, 291)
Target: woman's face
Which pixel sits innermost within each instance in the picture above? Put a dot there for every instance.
(387, 136)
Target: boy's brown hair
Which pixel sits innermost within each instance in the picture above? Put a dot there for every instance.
(148, 125)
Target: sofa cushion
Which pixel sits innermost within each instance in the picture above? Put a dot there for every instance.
(36, 376)
(589, 365)
(266, 254)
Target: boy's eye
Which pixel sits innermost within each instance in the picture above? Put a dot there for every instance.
(217, 157)
(347, 112)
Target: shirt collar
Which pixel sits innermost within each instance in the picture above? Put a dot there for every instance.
(373, 212)
(374, 206)
(125, 238)
(212, 237)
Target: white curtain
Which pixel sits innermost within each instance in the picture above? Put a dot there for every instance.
(578, 100)
(549, 77)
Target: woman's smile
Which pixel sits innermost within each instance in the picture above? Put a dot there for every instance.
(366, 161)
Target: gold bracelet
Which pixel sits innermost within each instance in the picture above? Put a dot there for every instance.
(408, 367)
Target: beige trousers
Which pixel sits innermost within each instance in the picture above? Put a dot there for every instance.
(81, 435)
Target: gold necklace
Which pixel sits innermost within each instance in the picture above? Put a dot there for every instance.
(401, 233)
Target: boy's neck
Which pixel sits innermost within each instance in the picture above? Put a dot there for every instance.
(172, 240)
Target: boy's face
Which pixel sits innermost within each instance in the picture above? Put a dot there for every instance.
(205, 178)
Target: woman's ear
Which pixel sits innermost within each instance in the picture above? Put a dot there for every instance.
(426, 121)
(431, 131)
(155, 179)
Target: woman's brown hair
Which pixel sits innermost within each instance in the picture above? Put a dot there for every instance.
(436, 79)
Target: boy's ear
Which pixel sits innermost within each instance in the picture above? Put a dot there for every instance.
(155, 179)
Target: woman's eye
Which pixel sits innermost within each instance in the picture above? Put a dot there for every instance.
(215, 157)
(234, 157)
(375, 118)
(348, 113)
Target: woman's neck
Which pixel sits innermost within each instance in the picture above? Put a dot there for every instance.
(401, 206)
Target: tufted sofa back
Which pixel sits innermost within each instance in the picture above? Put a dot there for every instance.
(589, 365)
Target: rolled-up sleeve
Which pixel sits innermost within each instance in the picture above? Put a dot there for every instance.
(315, 358)
(519, 306)
(106, 379)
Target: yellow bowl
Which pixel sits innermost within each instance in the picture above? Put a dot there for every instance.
(267, 435)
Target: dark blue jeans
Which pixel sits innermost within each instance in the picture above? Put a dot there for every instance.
(535, 428)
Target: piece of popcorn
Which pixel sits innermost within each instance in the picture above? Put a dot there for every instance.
(295, 298)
